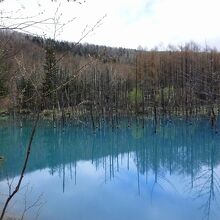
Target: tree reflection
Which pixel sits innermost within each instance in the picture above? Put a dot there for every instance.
(207, 184)
(177, 148)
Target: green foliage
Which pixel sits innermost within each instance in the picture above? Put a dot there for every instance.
(3, 78)
(50, 80)
(135, 96)
(50, 70)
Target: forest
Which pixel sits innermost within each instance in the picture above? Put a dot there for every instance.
(66, 79)
(90, 131)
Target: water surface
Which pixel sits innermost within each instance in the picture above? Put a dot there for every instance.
(124, 173)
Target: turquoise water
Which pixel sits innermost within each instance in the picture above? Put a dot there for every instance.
(124, 173)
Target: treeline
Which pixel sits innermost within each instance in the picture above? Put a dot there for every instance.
(108, 54)
(37, 73)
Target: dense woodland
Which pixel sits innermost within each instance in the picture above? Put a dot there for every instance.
(99, 81)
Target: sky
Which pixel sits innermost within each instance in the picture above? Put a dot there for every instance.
(124, 23)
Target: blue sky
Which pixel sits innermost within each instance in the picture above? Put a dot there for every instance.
(130, 23)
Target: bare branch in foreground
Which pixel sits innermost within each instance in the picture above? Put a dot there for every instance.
(23, 169)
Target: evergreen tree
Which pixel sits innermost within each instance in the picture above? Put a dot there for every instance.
(50, 80)
(3, 78)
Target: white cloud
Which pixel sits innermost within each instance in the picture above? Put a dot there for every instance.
(130, 23)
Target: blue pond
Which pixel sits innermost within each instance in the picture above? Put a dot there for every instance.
(126, 173)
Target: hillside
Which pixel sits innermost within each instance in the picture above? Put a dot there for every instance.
(37, 73)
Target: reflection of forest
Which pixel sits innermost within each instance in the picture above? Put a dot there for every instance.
(177, 147)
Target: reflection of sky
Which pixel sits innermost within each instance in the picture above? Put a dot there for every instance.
(92, 198)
